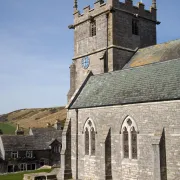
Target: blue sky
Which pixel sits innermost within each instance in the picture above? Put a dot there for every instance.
(36, 49)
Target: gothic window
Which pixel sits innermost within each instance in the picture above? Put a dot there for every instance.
(93, 28)
(86, 142)
(134, 143)
(135, 27)
(129, 139)
(90, 138)
(92, 141)
(125, 143)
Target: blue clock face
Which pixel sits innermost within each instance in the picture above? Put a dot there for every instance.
(85, 62)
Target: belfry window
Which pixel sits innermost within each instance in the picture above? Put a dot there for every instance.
(129, 139)
(93, 28)
(135, 27)
(90, 138)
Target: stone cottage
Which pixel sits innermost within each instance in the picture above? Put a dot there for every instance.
(28, 152)
(123, 118)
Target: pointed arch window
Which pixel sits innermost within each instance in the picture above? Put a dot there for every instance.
(90, 138)
(92, 141)
(86, 141)
(129, 138)
(134, 143)
(125, 143)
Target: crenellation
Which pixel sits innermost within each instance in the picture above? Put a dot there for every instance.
(97, 5)
(86, 9)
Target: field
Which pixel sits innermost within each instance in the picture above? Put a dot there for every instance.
(7, 128)
(19, 176)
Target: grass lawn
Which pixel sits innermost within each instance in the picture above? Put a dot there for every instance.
(7, 128)
(19, 176)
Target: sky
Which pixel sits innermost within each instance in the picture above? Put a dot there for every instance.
(36, 49)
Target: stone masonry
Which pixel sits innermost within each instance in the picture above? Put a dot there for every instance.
(114, 43)
(157, 159)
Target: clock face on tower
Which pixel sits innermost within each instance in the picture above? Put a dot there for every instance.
(85, 62)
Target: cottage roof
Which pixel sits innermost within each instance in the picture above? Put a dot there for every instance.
(30, 142)
(157, 53)
(153, 82)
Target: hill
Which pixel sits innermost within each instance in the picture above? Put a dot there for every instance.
(37, 117)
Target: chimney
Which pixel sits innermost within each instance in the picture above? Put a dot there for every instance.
(19, 131)
(58, 125)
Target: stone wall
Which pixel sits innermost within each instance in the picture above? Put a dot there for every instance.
(158, 139)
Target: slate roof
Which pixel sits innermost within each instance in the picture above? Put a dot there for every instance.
(153, 82)
(157, 53)
(30, 142)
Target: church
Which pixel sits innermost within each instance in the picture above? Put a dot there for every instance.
(123, 120)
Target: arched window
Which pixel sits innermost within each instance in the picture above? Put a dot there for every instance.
(86, 141)
(125, 143)
(134, 143)
(129, 138)
(90, 138)
(92, 141)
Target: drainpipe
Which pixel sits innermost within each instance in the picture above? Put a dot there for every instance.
(76, 143)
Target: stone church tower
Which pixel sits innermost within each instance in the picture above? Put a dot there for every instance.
(107, 36)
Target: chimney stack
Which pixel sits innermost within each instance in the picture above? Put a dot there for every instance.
(19, 131)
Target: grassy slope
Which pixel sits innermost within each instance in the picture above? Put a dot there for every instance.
(34, 117)
(7, 128)
(19, 176)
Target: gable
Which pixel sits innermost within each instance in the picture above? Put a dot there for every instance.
(153, 82)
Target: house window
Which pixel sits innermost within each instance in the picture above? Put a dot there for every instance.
(14, 154)
(23, 167)
(135, 27)
(90, 138)
(93, 28)
(56, 149)
(29, 154)
(129, 138)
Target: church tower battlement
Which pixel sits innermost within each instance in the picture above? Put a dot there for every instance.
(107, 36)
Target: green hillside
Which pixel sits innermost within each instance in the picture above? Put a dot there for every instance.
(7, 128)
